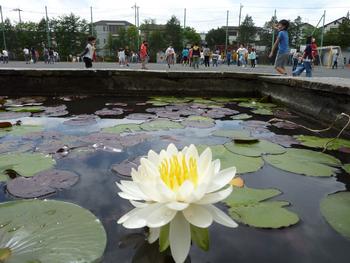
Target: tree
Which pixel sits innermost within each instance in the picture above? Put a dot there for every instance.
(173, 33)
(247, 31)
(191, 36)
(295, 32)
(266, 32)
(132, 36)
(216, 37)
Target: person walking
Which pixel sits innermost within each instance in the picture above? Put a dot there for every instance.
(252, 57)
(206, 53)
(335, 61)
(121, 57)
(170, 55)
(33, 54)
(127, 55)
(46, 55)
(88, 53)
(215, 58)
(185, 54)
(5, 56)
(228, 57)
(26, 55)
(144, 54)
(190, 56)
(296, 57)
(51, 56)
(282, 42)
(195, 55)
(307, 59)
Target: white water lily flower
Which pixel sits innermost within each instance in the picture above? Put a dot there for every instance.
(180, 188)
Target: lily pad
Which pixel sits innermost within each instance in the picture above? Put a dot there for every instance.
(109, 112)
(7, 115)
(157, 125)
(228, 159)
(248, 206)
(263, 111)
(286, 125)
(237, 135)
(42, 184)
(305, 162)
(32, 109)
(5, 125)
(141, 116)
(243, 116)
(124, 168)
(25, 164)
(255, 149)
(336, 210)
(82, 120)
(173, 115)
(123, 128)
(318, 142)
(346, 168)
(20, 130)
(50, 231)
(256, 105)
(56, 111)
(199, 122)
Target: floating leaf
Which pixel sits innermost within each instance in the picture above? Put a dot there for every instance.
(286, 125)
(199, 122)
(5, 125)
(109, 112)
(82, 120)
(247, 206)
(25, 164)
(26, 109)
(20, 130)
(42, 184)
(237, 135)
(256, 105)
(336, 210)
(346, 168)
(263, 111)
(141, 116)
(123, 128)
(228, 159)
(318, 142)
(173, 115)
(13, 115)
(243, 116)
(305, 162)
(200, 236)
(255, 149)
(124, 168)
(161, 125)
(50, 231)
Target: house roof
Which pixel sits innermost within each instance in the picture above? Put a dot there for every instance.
(337, 20)
(118, 22)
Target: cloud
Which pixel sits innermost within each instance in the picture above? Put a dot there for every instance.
(202, 15)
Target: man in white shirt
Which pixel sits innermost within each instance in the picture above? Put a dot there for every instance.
(26, 55)
(88, 53)
(170, 55)
(241, 52)
(5, 56)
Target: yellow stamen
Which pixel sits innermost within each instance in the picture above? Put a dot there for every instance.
(175, 171)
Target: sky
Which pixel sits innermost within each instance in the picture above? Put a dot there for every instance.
(203, 15)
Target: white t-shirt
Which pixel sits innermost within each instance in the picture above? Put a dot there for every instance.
(26, 51)
(90, 53)
(242, 51)
(5, 53)
(121, 55)
(169, 51)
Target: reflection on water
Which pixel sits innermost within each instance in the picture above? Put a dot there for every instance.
(311, 240)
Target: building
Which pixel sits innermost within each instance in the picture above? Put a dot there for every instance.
(104, 28)
(334, 24)
(233, 32)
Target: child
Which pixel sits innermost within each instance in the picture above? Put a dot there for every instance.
(307, 60)
(170, 55)
(89, 52)
(121, 57)
(252, 57)
(215, 58)
(282, 42)
(335, 61)
(144, 54)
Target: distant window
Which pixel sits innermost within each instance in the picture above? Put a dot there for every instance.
(104, 41)
(335, 22)
(234, 33)
(104, 29)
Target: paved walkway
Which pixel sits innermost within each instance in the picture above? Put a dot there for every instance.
(318, 71)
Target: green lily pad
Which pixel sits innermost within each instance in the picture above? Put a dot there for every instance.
(157, 103)
(25, 164)
(318, 142)
(123, 128)
(200, 236)
(346, 168)
(160, 125)
(243, 116)
(263, 111)
(50, 231)
(255, 149)
(243, 164)
(174, 100)
(248, 206)
(20, 130)
(336, 210)
(239, 135)
(32, 109)
(305, 162)
(257, 105)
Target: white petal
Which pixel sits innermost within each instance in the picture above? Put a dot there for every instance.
(213, 198)
(172, 150)
(150, 190)
(221, 179)
(191, 152)
(204, 160)
(153, 157)
(220, 217)
(138, 204)
(177, 206)
(216, 165)
(198, 215)
(127, 215)
(166, 193)
(153, 235)
(151, 169)
(160, 216)
(131, 188)
(185, 190)
(139, 218)
(129, 197)
(180, 238)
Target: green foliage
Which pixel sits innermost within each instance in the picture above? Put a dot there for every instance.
(174, 34)
(191, 36)
(164, 238)
(318, 142)
(216, 37)
(200, 236)
(247, 31)
(336, 210)
(339, 36)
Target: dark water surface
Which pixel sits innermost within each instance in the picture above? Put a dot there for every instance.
(311, 240)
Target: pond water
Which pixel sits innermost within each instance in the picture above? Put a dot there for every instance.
(87, 148)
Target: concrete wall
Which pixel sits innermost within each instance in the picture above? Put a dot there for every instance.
(321, 99)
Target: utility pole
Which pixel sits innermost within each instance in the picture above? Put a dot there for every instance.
(138, 26)
(19, 13)
(3, 28)
(47, 29)
(91, 22)
(135, 7)
(240, 17)
(323, 23)
(226, 43)
(183, 43)
(273, 29)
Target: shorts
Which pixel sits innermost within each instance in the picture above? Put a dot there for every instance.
(88, 62)
(281, 60)
(185, 59)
